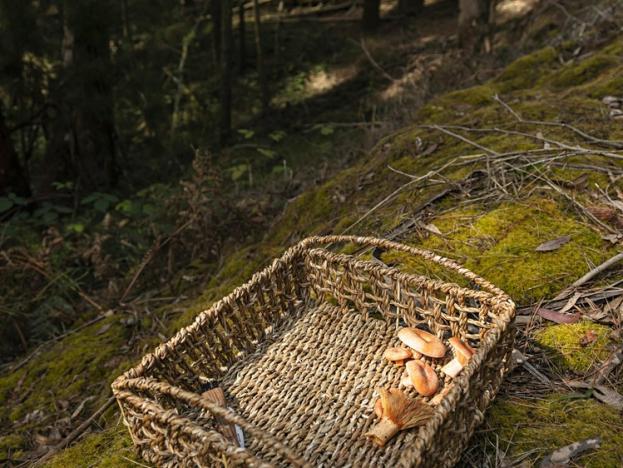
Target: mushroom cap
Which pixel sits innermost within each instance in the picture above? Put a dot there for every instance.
(423, 377)
(423, 342)
(397, 354)
(462, 350)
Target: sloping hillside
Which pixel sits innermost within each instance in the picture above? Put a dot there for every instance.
(483, 175)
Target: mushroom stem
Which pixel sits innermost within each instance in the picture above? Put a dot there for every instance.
(453, 368)
(383, 431)
(398, 413)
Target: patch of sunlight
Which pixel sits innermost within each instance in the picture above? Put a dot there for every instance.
(410, 79)
(507, 10)
(319, 80)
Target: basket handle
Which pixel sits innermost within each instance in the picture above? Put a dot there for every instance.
(151, 384)
(426, 254)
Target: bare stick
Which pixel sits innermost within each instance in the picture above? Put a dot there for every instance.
(374, 63)
(444, 129)
(577, 131)
(77, 432)
(393, 195)
(598, 270)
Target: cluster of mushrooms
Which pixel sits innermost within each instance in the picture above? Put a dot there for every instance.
(394, 408)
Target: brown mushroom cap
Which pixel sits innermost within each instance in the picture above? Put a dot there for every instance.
(423, 342)
(397, 355)
(462, 351)
(423, 377)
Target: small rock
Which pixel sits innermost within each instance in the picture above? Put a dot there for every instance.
(609, 100)
(616, 113)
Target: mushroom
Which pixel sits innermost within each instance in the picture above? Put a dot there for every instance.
(423, 342)
(423, 377)
(440, 396)
(398, 413)
(398, 355)
(217, 396)
(378, 408)
(462, 353)
(405, 380)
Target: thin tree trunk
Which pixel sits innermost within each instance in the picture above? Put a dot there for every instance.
(475, 19)
(87, 97)
(127, 29)
(179, 74)
(226, 68)
(12, 177)
(371, 15)
(410, 7)
(261, 72)
(215, 12)
(242, 46)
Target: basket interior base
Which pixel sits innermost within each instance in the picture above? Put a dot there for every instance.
(312, 388)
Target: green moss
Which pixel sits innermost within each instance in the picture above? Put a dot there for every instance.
(500, 245)
(610, 84)
(563, 344)
(582, 72)
(11, 446)
(474, 96)
(111, 448)
(524, 72)
(536, 428)
(73, 367)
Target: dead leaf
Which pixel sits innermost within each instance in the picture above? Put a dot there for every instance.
(103, 329)
(589, 337)
(614, 361)
(602, 212)
(430, 149)
(553, 244)
(563, 456)
(612, 238)
(571, 302)
(602, 393)
(432, 228)
(80, 407)
(557, 317)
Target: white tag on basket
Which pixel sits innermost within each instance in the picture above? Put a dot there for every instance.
(239, 436)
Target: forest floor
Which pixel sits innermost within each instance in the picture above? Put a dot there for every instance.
(515, 173)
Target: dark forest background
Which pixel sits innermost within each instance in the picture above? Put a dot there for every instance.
(128, 126)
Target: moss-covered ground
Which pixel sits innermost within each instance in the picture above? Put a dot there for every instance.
(494, 237)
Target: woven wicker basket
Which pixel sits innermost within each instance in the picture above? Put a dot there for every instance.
(298, 352)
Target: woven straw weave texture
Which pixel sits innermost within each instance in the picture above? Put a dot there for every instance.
(298, 352)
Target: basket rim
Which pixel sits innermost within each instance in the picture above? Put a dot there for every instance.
(319, 245)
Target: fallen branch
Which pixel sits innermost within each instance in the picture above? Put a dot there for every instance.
(75, 433)
(374, 63)
(563, 456)
(577, 131)
(589, 276)
(598, 270)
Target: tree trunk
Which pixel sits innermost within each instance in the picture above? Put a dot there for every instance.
(215, 12)
(81, 136)
(242, 46)
(226, 67)
(371, 15)
(12, 177)
(90, 94)
(410, 7)
(475, 20)
(261, 72)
